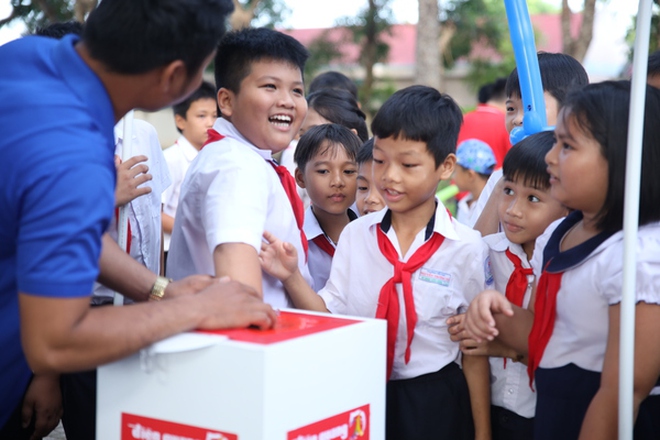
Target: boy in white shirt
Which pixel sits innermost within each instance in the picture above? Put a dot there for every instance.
(475, 163)
(525, 210)
(414, 265)
(326, 168)
(193, 117)
(234, 190)
(367, 198)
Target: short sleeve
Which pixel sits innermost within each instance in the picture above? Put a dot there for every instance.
(235, 207)
(648, 272)
(63, 215)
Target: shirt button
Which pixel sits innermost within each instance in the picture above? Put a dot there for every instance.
(510, 391)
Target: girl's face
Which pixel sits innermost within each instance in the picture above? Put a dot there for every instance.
(578, 170)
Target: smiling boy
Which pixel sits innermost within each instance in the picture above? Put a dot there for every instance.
(234, 190)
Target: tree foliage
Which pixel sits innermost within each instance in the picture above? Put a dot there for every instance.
(654, 43)
(38, 13)
(264, 13)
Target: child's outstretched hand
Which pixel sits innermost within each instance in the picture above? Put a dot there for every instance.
(278, 258)
(479, 320)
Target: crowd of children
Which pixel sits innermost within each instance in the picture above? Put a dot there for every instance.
(505, 330)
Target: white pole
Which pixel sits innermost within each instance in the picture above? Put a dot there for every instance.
(122, 221)
(631, 219)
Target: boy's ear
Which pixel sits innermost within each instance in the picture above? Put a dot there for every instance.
(180, 122)
(300, 177)
(226, 102)
(446, 168)
(173, 78)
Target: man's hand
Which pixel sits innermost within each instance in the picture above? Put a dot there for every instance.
(130, 175)
(43, 404)
(188, 286)
(229, 304)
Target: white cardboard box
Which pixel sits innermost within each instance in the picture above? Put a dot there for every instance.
(315, 377)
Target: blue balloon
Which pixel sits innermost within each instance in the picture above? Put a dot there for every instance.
(527, 63)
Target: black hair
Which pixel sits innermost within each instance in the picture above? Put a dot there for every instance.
(205, 91)
(654, 64)
(366, 152)
(238, 50)
(326, 137)
(485, 92)
(333, 80)
(525, 161)
(498, 92)
(59, 30)
(136, 36)
(339, 107)
(601, 111)
(560, 74)
(421, 113)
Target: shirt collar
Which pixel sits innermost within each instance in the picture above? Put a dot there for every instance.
(189, 152)
(84, 83)
(312, 227)
(441, 222)
(556, 261)
(227, 129)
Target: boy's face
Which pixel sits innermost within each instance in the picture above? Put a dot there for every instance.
(199, 119)
(270, 105)
(367, 198)
(405, 174)
(462, 178)
(515, 111)
(525, 212)
(330, 178)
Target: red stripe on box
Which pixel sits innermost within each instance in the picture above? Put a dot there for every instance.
(350, 425)
(290, 325)
(139, 427)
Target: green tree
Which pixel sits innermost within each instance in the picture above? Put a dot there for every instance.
(38, 13)
(654, 43)
(266, 13)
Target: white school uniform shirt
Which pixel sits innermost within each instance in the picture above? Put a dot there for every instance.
(144, 211)
(480, 204)
(464, 209)
(178, 157)
(231, 194)
(509, 387)
(318, 261)
(442, 287)
(588, 289)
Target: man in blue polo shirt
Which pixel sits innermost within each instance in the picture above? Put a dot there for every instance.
(59, 101)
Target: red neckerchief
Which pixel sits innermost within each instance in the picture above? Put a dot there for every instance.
(388, 301)
(214, 136)
(545, 312)
(517, 284)
(324, 244)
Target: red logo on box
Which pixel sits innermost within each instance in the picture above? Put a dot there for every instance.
(351, 425)
(144, 428)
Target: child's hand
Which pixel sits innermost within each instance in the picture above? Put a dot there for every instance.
(468, 345)
(130, 175)
(278, 258)
(479, 321)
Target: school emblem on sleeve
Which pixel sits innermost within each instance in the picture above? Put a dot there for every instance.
(488, 272)
(434, 276)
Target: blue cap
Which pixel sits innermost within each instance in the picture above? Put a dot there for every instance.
(476, 155)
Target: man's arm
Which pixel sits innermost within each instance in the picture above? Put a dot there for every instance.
(121, 273)
(65, 334)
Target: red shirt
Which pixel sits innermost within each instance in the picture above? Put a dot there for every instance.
(486, 123)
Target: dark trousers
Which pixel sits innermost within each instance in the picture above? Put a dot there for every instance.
(13, 429)
(428, 407)
(507, 425)
(79, 402)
